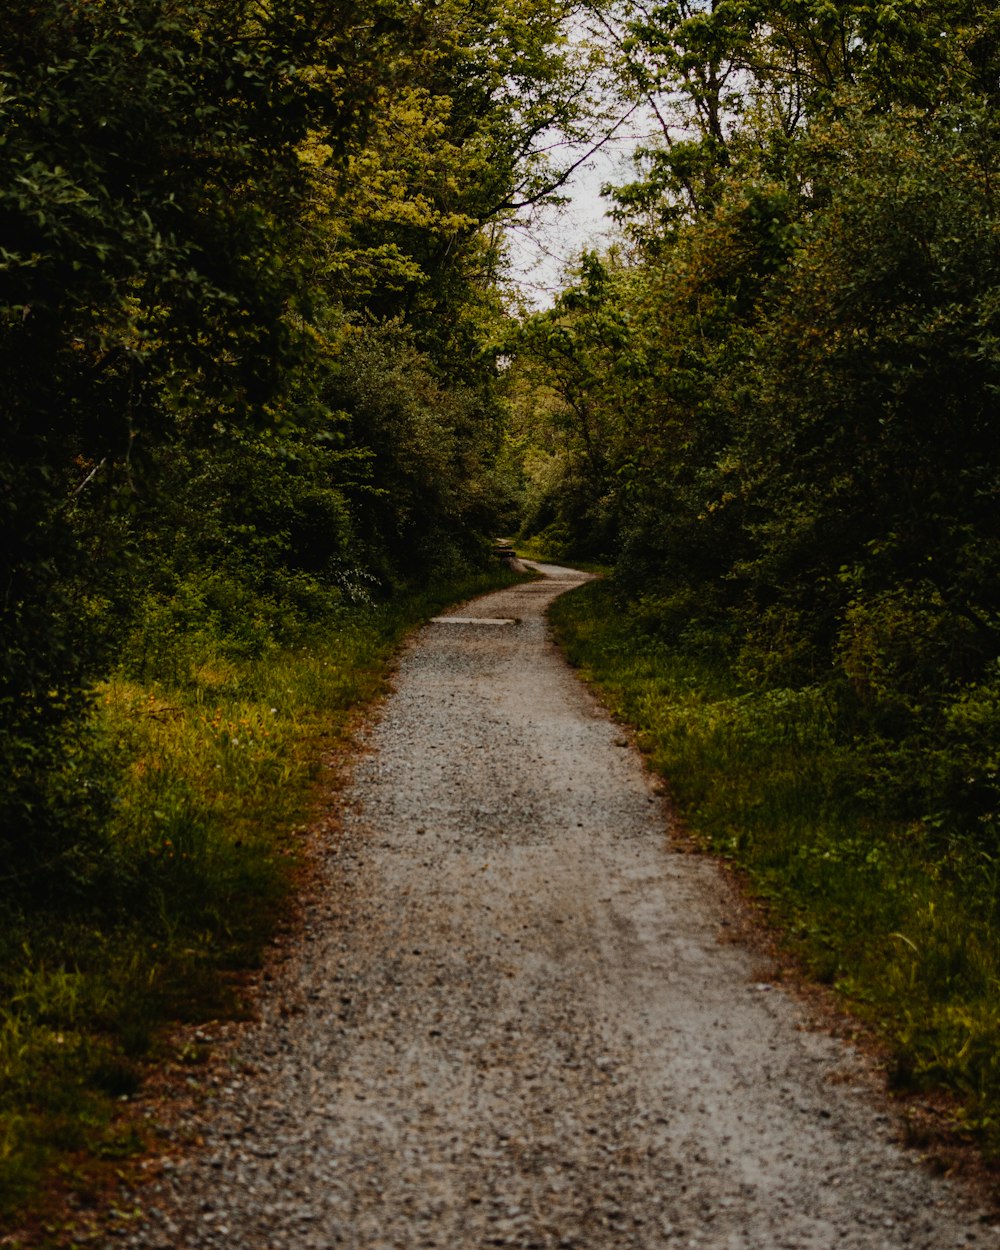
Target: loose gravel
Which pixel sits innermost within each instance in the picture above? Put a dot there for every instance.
(517, 1017)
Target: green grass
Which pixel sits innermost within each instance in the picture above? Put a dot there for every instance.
(906, 932)
(212, 774)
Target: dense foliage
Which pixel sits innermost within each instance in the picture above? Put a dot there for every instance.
(249, 291)
(774, 403)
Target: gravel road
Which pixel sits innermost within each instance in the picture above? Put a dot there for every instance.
(517, 1017)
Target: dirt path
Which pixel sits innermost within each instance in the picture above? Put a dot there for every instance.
(517, 1020)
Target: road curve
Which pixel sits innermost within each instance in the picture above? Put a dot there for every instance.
(517, 1018)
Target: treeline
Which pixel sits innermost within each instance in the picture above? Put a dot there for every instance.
(250, 285)
(774, 403)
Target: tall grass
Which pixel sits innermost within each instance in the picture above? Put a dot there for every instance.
(905, 928)
(211, 772)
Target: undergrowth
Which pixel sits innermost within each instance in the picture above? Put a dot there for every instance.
(902, 922)
(206, 776)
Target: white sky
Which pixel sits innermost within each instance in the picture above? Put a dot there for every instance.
(540, 253)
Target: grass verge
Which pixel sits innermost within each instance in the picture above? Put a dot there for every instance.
(193, 875)
(905, 930)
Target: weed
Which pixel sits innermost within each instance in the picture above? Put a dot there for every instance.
(214, 757)
(769, 777)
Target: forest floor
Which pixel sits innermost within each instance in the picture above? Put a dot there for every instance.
(518, 1012)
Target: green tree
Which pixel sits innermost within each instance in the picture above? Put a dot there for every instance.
(249, 319)
(150, 153)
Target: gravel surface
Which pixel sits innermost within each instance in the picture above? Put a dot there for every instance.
(517, 1019)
